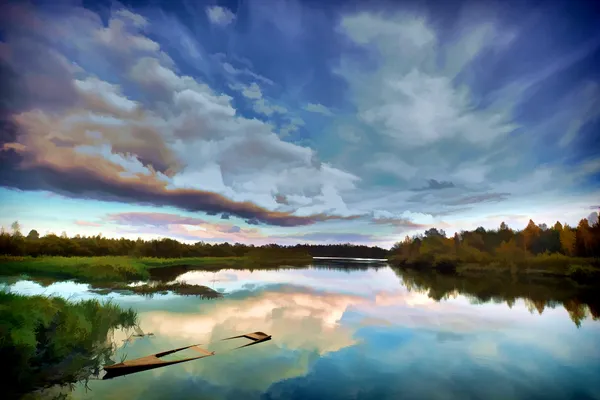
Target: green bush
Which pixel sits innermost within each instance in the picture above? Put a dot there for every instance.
(48, 341)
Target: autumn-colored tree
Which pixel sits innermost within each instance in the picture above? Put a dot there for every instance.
(567, 240)
(530, 234)
(510, 251)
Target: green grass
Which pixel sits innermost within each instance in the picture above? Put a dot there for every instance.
(49, 341)
(80, 268)
(150, 262)
(126, 269)
(91, 269)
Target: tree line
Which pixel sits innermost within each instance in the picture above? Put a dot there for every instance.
(504, 243)
(33, 244)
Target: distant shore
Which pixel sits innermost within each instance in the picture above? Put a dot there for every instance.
(576, 268)
(127, 269)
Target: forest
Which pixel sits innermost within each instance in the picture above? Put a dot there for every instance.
(558, 246)
(479, 246)
(15, 243)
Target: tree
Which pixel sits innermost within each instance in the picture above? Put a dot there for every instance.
(16, 228)
(567, 240)
(33, 235)
(530, 234)
(584, 241)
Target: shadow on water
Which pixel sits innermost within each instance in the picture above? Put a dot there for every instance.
(538, 292)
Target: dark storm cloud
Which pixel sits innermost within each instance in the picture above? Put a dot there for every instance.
(99, 179)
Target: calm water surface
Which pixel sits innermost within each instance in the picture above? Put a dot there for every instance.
(348, 335)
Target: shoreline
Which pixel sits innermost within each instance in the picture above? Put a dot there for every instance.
(578, 269)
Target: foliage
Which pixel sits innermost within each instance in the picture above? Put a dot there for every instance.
(82, 268)
(536, 248)
(33, 245)
(49, 341)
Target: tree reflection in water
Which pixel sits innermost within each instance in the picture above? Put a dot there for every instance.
(580, 300)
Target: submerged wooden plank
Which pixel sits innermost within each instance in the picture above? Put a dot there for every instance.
(154, 360)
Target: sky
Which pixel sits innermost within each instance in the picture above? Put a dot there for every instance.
(290, 121)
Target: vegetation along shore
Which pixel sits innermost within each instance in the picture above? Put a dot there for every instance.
(49, 341)
(559, 250)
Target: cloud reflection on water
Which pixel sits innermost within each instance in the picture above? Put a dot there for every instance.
(359, 332)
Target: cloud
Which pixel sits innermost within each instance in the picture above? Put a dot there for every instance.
(480, 198)
(230, 69)
(187, 228)
(281, 199)
(177, 142)
(319, 109)
(336, 237)
(406, 98)
(404, 223)
(588, 111)
(431, 106)
(153, 219)
(87, 223)
(593, 218)
(391, 164)
(432, 184)
(150, 100)
(349, 133)
(221, 16)
(260, 104)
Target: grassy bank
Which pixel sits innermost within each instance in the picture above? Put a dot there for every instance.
(91, 269)
(50, 341)
(125, 269)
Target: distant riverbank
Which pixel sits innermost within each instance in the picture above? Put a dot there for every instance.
(576, 268)
(126, 269)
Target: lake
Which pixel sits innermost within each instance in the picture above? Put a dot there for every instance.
(370, 333)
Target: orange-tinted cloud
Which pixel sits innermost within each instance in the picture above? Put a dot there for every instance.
(39, 164)
(87, 223)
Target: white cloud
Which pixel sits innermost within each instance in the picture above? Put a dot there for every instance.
(181, 126)
(292, 126)
(391, 164)
(349, 133)
(230, 69)
(408, 98)
(588, 99)
(252, 91)
(260, 104)
(318, 108)
(221, 16)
